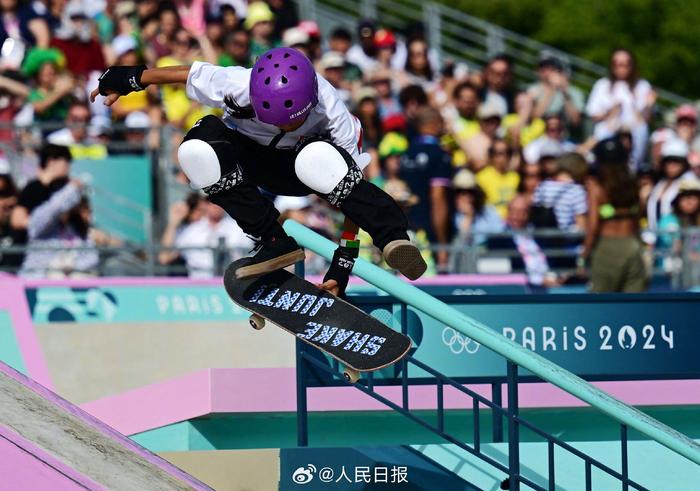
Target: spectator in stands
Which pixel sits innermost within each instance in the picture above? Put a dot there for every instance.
(380, 80)
(466, 100)
(363, 53)
(384, 47)
(553, 95)
(167, 24)
(54, 167)
(612, 242)
(367, 111)
(13, 94)
(75, 39)
(554, 135)
(62, 222)
(530, 178)
(8, 235)
(674, 163)
(530, 257)
(426, 169)
(22, 23)
(418, 65)
(312, 30)
(686, 213)
(560, 201)
(498, 180)
(332, 67)
(230, 16)
(622, 100)
(392, 146)
(498, 84)
(236, 49)
(340, 41)
(50, 95)
(412, 99)
(285, 15)
(474, 217)
(260, 23)
(75, 134)
(477, 147)
(297, 39)
(124, 48)
(198, 239)
(685, 128)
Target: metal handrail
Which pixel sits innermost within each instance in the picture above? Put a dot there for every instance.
(538, 365)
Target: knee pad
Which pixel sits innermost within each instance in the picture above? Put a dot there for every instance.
(327, 169)
(200, 163)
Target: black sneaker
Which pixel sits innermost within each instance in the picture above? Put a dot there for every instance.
(270, 255)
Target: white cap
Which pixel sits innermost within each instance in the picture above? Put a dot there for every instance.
(294, 36)
(137, 120)
(286, 203)
(4, 165)
(332, 59)
(674, 147)
(123, 44)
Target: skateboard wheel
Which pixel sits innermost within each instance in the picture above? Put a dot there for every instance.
(351, 375)
(256, 321)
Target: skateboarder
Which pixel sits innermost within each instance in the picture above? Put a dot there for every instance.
(284, 129)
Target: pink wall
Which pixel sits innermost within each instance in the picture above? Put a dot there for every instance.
(24, 466)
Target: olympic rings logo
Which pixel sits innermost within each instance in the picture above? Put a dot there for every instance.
(459, 343)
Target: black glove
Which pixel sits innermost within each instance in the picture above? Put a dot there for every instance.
(121, 79)
(341, 266)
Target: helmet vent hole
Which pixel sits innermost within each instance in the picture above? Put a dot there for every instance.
(269, 57)
(260, 69)
(277, 65)
(267, 81)
(283, 79)
(288, 103)
(294, 67)
(287, 55)
(266, 105)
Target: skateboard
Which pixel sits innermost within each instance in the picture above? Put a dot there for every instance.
(354, 338)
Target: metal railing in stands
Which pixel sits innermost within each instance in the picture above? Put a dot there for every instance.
(515, 357)
(460, 36)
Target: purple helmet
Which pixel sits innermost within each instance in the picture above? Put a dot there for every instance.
(283, 86)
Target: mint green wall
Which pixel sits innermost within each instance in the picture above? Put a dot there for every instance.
(382, 428)
(9, 349)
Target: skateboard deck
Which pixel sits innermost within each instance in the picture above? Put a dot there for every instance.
(321, 319)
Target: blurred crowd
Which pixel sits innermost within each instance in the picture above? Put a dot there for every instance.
(468, 151)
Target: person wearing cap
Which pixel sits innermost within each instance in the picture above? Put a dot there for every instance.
(391, 147)
(553, 94)
(474, 217)
(76, 41)
(50, 97)
(312, 30)
(296, 38)
(381, 80)
(125, 51)
(685, 127)
(686, 213)
(259, 22)
(283, 131)
(384, 47)
(477, 146)
(332, 67)
(363, 52)
(498, 179)
(674, 164)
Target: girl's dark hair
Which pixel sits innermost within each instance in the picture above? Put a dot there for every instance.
(238, 111)
(479, 198)
(620, 186)
(634, 71)
(686, 220)
(428, 72)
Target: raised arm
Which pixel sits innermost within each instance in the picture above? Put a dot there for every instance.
(117, 81)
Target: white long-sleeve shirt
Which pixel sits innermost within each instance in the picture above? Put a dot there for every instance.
(209, 84)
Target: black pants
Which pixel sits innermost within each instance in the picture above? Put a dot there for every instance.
(256, 166)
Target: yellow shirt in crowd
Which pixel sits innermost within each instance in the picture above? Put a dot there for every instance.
(499, 188)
